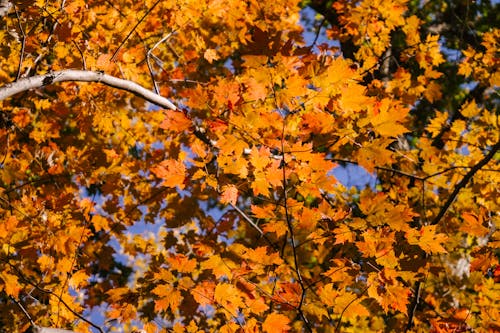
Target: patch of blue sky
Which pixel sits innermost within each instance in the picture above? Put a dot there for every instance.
(309, 18)
(352, 175)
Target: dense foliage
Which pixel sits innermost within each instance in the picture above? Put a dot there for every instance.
(225, 214)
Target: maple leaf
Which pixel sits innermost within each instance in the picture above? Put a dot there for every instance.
(255, 90)
(228, 296)
(210, 55)
(229, 194)
(8, 226)
(91, 174)
(263, 212)
(175, 121)
(343, 234)
(388, 291)
(169, 297)
(427, 239)
(172, 172)
(220, 267)
(78, 279)
(203, 293)
(104, 62)
(181, 263)
(11, 284)
(388, 118)
(278, 227)
(276, 322)
(473, 225)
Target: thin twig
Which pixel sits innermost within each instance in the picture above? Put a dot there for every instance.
(84, 64)
(23, 44)
(113, 57)
(348, 305)
(45, 291)
(292, 237)
(414, 304)
(318, 30)
(255, 226)
(23, 310)
(464, 182)
(149, 54)
(249, 220)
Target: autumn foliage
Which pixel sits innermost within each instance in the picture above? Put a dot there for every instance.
(228, 214)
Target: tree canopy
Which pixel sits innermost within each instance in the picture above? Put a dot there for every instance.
(171, 165)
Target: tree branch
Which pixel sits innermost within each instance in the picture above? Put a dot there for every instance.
(5, 7)
(39, 329)
(464, 182)
(39, 81)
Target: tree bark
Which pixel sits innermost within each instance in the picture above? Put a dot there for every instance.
(39, 329)
(5, 6)
(83, 76)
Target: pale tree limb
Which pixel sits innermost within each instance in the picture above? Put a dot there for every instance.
(5, 7)
(39, 329)
(74, 75)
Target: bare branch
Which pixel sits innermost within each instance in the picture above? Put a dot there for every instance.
(83, 76)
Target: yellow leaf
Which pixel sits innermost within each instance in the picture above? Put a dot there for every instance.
(388, 117)
(316, 310)
(78, 279)
(219, 267)
(45, 262)
(470, 109)
(100, 223)
(169, 297)
(427, 239)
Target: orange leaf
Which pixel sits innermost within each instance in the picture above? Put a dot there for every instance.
(473, 225)
(210, 55)
(181, 263)
(275, 323)
(229, 194)
(203, 293)
(12, 286)
(175, 121)
(228, 297)
(104, 62)
(278, 227)
(7, 226)
(172, 172)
